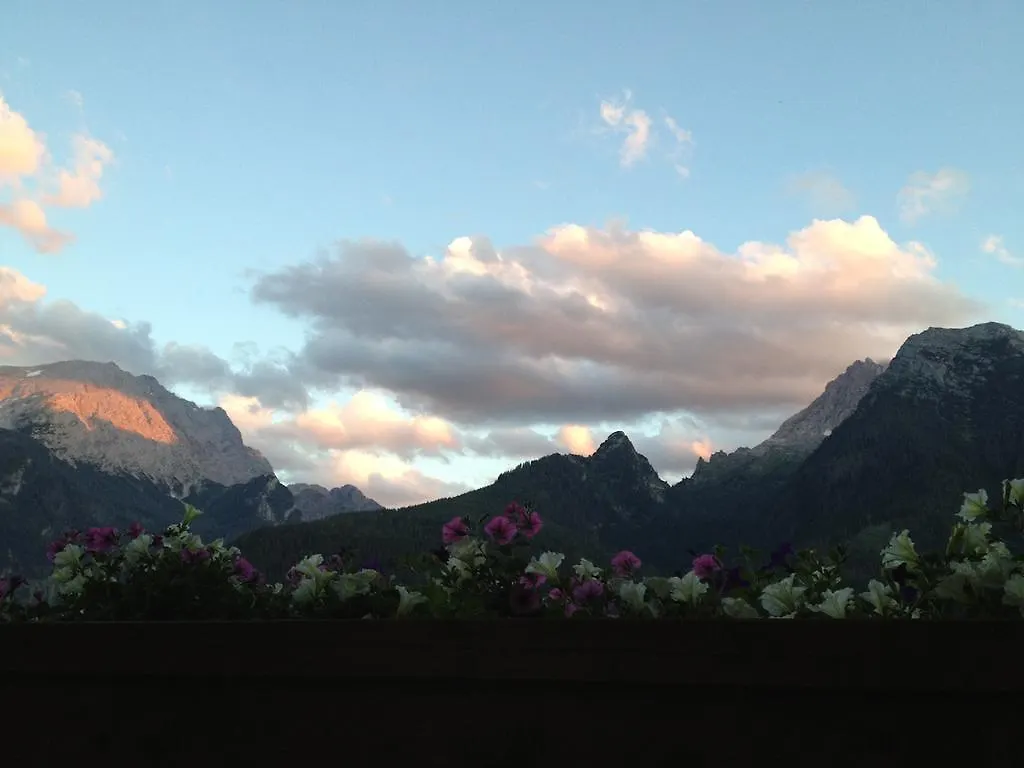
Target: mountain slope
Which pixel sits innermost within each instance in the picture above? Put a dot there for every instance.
(314, 502)
(587, 504)
(946, 417)
(98, 414)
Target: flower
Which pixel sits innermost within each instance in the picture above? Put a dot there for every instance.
(687, 589)
(68, 557)
(135, 530)
(454, 530)
(900, 551)
(625, 563)
(782, 597)
(408, 600)
(556, 595)
(834, 604)
(879, 595)
(706, 565)
(587, 590)
(245, 571)
(738, 608)
(547, 564)
(975, 505)
(501, 529)
(586, 569)
(100, 539)
(632, 594)
(1013, 592)
(1015, 489)
(530, 524)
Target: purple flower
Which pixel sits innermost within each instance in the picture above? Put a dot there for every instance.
(587, 590)
(625, 563)
(198, 556)
(501, 529)
(101, 539)
(245, 571)
(135, 530)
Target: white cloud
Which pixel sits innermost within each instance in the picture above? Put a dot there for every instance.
(926, 193)
(993, 244)
(34, 182)
(635, 123)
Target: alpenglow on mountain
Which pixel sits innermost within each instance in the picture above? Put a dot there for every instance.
(98, 414)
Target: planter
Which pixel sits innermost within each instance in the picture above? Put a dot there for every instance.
(516, 692)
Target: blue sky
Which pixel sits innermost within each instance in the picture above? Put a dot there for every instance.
(251, 135)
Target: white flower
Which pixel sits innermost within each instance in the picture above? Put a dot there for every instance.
(73, 586)
(137, 548)
(1013, 592)
(900, 551)
(975, 505)
(738, 608)
(546, 565)
(632, 593)
(879, 595)
(310, 566)
(975, 537)
(408, 600)
(469, 550)
(1016, 488)
(586, 569)
(687, 589)
(459, 567)
(68, 557)
(783, 597)
(305, 592)
(351, 584)
(834, 604)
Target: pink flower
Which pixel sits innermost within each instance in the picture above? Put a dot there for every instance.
(245, 571)
(100, 539)
(198, 556)
(454, 530)
(515, 512)
(556, 595)
(571, 608)
(587, 590)
(530, 524)
(501, 529)
(625, 563)
(706, 565)
(532, 580)
(135, 530)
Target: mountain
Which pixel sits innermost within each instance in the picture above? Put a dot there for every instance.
(947, 416)
(585, 502)
(883, 447)
(314, 502)
(86, 444)
(98, 414)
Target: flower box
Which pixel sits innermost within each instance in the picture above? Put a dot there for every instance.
(514, 692)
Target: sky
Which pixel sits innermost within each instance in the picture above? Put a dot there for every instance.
(409, 245)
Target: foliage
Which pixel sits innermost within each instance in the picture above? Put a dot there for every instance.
(485, 569)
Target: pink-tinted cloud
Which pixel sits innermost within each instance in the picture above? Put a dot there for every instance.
(34, 183)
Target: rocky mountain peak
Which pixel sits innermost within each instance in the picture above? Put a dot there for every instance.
(617, 459)
(952, 360)
(99, 414)
(806, 429)
(615, 442)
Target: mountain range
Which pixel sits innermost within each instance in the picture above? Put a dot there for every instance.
(85, 443)
(885, 446)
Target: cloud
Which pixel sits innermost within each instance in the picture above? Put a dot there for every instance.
(577, 439)
(589, 325)
(37, 332)
(640, 133)
(824, 192)
(34, 182)
(993, 244)
(635, 123)
(927, 193)
(362, 442)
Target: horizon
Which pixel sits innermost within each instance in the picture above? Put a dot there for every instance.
(406, 250)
